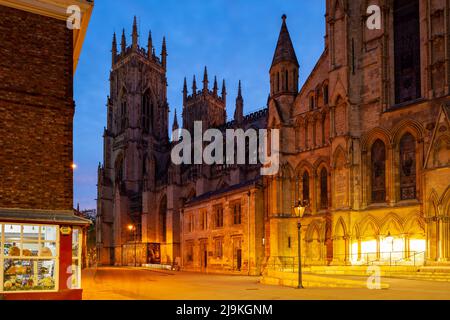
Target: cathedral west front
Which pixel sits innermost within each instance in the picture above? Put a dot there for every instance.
(365, 142)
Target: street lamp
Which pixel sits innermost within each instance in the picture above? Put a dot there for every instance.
(299, 210)
(133, 228)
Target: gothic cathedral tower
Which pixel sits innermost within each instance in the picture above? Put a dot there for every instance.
(135, 141)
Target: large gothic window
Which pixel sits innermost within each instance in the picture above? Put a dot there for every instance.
(407, 50)
(378, 172)
(305, 183)
(146, 109)
(407, 167)
(323, 189)
(123, 115)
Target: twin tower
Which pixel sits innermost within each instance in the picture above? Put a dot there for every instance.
(148, 79)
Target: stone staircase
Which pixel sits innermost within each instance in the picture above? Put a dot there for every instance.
(403, 272)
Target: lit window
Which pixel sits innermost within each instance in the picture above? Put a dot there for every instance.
(29, 257)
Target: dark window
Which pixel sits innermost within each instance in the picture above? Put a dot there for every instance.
(407, 167)
(218, 216)
(323, 189)
(311, 102)
(287, 81)
(306, 186)
(163, 219)
(378, 172)
(237, 214)
(219, 248)
(325, 94)
(278, 82)
(407, 50)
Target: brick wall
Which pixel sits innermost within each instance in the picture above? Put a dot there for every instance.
(36, 111)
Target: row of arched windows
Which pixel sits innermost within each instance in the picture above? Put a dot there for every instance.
(323, 188)
(285, 81)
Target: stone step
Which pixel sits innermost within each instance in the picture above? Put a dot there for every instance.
(290, 279)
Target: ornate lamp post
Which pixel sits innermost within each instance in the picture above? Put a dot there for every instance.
(132, 228)
(299, 210)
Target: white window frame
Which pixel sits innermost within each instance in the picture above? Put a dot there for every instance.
(55, 258)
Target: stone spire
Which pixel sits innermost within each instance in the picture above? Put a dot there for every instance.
(216, 87)
(185, 91)
(123, 43)
(134, 35)
(224, 93)
(205, 80)
(194, 86)
(175, 125)
(285, 49)
(164, 54)
(150, 44)
(239, 112)
(114, 48)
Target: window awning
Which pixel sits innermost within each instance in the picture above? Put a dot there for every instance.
(42, 216)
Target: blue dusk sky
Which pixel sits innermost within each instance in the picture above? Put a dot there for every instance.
(235, 39)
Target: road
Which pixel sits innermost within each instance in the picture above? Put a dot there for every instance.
(141, 284)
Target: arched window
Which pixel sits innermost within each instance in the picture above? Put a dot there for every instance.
(278, 82)
(118, 168)
(378, 172)
(323, 189)
(286, 81)
(306, 186)
(311, 102)
(146, 109)
(325, 94)
(123, 115)
(407, 167)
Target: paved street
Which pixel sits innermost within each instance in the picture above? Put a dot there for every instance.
(141, 284)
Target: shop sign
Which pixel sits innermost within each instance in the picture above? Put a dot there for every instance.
(65, 231)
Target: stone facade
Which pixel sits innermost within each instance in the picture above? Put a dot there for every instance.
(365, 142)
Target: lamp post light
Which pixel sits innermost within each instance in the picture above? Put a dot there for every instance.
(299, 210)
(133, 228)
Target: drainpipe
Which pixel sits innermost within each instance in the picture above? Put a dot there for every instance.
(248, 231)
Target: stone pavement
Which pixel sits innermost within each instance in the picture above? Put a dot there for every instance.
(142, 284)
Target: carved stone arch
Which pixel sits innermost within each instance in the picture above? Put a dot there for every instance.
(356, 233)
(408, 126)
(314, 229)
(338, 152)
(445, 202)
(369, 227)
(340, 229)
(433, 203)
(376, 134)
(392, 224)
(321, 162)
(337, 7)
(415, 224)
(302, 166)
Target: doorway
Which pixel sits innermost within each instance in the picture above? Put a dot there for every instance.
(239, 259)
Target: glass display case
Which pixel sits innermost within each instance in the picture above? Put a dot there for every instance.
(29, 257)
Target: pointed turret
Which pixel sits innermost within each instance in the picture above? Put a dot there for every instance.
(175, 125)
(114, 49)
(134, 35)
(216, 87)
(185, 91)
(224, 92)
(284, 69)
(123, 43)
(164, 54)
(205, 80)
(194, 87)
(239, 112)
(150, 45)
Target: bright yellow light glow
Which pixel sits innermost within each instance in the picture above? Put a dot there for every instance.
(74, 166)
(130, 227)
(417, 245)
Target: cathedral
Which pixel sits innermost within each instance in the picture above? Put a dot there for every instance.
(365, 142)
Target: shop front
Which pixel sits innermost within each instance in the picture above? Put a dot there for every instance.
(41, 259)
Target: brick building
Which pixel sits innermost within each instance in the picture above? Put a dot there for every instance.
(365, 141)
(39, 56)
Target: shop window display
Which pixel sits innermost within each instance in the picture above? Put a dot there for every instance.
(28, 257)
